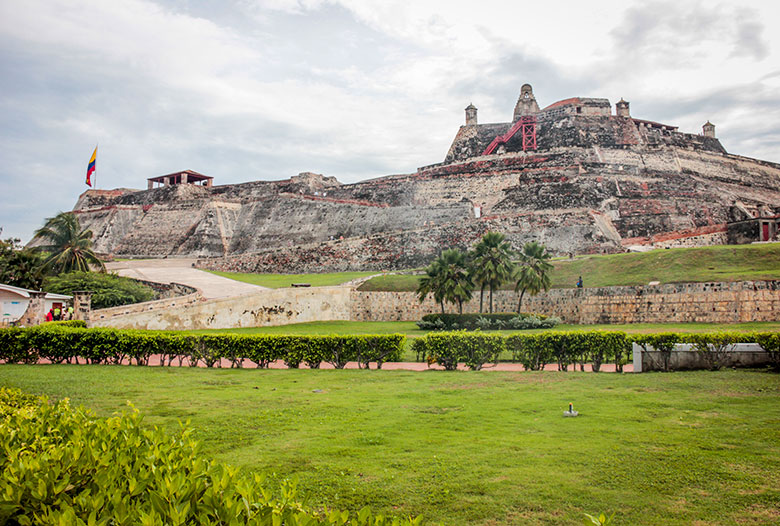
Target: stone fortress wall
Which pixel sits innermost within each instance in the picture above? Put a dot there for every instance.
(739, 302)
(728, 302)
(596, 182)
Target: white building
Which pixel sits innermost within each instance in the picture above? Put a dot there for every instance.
(16, 300)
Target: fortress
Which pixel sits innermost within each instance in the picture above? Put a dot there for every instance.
(574, 176)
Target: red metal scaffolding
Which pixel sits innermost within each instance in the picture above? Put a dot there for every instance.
(526, 125)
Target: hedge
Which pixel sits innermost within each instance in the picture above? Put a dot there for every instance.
(485, 321)
(63, 465)
(711, 346)
(59, 344)
(569, 349)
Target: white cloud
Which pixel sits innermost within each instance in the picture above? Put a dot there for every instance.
(247, 89)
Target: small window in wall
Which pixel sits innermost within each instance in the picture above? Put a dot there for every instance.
(579, 109)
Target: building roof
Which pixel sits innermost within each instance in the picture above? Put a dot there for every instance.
(25, 293)
(192, 175)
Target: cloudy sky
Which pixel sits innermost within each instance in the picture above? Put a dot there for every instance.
(248, 90)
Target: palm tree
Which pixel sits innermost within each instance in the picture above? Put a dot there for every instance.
(447, 278)
(69, 248)
(533, 275)
(491, 264)
(431, 283)
(455, 277)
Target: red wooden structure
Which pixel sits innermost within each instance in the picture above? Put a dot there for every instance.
(526, 125)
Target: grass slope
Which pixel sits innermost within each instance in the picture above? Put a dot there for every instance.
(473, 448)
(718, 263)
(277, 281)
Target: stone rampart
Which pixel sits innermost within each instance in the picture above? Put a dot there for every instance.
(416, 248)
(736, 302)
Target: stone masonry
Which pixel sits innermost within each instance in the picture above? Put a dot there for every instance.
(596, 182)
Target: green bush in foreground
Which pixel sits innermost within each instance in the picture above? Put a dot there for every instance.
(64, 466)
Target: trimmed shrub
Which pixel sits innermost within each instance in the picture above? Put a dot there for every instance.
(485, 321)
(770, 342)
(63, 465)
(60, 344)
(473, 349)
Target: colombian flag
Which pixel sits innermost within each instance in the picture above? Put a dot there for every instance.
(91, 167)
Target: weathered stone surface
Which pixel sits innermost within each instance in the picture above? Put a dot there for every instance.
(597, 182)
(737, 302)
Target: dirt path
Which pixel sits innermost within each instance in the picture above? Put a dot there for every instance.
(180, 270)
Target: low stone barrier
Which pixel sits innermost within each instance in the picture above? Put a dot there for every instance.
(684, 356)
(107, 317)
(712, 302)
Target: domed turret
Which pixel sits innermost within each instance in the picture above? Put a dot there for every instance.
(471, 115)
(526, 103)
(708, 130)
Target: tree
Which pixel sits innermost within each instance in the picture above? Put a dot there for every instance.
(455, 277)
(532, 276)
(108, 290)
(20, 267)
(491, 264)
(431, 284)
(447, 278)
(69, 248)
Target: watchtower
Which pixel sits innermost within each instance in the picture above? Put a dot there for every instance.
(621, 108)
(526, 103)
(708, 130)
(471, 115)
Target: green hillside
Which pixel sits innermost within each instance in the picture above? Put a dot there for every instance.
(718, 263)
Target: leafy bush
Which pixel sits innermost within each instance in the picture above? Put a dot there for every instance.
(484, 321)
(474, 349)
(713, 347)
(62, 465)
(770, 342)
(108, 290)
(61, 343)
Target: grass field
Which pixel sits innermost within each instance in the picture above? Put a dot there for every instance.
(489, 449)
(717, 263)
(410, 328)
(277, 281)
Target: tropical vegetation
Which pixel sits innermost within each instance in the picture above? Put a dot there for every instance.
(68, 247)
(453, 275)
(108, 290)
(20, 267)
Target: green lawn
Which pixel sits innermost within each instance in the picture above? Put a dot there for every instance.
(410, 328)
(717, 263)
(467, 448)
(277, 281)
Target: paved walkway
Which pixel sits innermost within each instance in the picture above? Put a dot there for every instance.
(156, 359)
(180, 270)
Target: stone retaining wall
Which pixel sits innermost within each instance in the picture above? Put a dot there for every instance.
(684, 356)
(269, 307)
(111, 316)
(729, 302)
